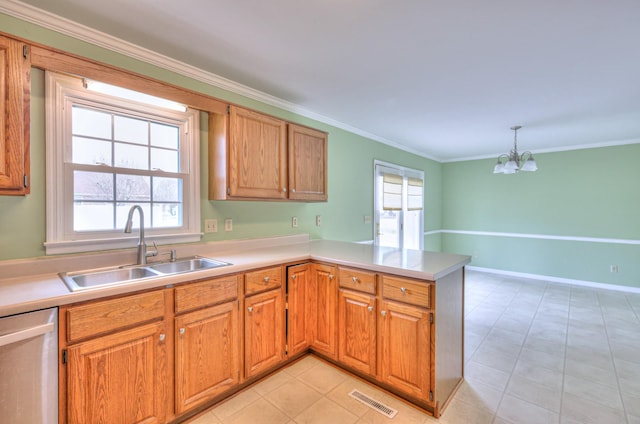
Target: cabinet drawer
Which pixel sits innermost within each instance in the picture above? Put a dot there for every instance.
(358, 280)
(265, 279)
(407, 291)
(106, 316)
(205, 293)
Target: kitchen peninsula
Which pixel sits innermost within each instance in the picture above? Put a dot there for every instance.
(393, 317)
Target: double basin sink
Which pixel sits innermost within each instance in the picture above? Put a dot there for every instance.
(115, 276)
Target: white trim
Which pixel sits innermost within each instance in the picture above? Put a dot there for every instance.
(582, 283)
(543, 236)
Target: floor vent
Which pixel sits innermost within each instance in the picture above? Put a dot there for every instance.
(372, 403)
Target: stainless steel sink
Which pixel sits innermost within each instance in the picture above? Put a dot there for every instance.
(115, 276)
(186, 265)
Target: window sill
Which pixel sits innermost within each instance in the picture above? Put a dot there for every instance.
(92, 245)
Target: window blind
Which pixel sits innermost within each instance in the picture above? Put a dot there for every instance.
(391, 192)
(414, 194)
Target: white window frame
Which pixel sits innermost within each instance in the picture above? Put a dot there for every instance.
(379, 169)
(62, 92)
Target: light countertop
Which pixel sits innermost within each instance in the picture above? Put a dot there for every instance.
(27, 285)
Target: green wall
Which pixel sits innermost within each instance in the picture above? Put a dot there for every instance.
(589, 193)
(22, 227)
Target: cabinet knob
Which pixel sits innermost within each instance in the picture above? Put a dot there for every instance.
(383, 313)
(182, 330)
(293, 190)
(250, 309)
(403, 290)
(162, 337)
(294, 276)
(284, 189)
(354, 279)
(370, 308)
(331, 276)
(266, 279)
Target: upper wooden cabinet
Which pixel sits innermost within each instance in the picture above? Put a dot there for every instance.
(15, 89)
(307, 163)
(259, 157)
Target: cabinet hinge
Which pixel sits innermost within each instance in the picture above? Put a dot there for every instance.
(228, 190)
(228, 108)
(64, 356)
(286, 306)
(26, 181)
(431, 317)
(25, 51)
(431, 396)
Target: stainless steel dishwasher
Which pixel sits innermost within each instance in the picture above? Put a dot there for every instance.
(29, 368)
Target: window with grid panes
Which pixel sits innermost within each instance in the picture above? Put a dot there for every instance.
(110, 153)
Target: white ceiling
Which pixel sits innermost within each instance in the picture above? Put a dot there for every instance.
(445, 79)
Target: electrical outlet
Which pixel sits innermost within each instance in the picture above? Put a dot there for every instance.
(228, 224)
(294, 221)
(318, 220)
(614, 268)
(367, 219)
(210, 225)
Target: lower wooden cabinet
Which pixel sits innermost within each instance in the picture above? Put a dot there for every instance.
(405, 348)
(323, 308)
(120, 378)
(207, 354)
(357, 331)
(154, 356)
(264, 332)
(299, 280)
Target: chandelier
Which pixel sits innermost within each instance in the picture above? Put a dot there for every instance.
(513, 162)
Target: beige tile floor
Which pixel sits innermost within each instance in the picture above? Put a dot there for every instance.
(536, 352)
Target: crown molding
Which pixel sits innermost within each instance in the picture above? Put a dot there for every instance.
(84, 33)
(554, 149)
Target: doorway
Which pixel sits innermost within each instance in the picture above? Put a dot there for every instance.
(398, 206)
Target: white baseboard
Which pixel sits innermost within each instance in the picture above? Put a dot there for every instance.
(582, 283)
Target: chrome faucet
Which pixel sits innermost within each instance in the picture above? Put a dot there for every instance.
(142, 246)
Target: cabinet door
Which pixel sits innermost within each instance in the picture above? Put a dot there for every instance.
(120, 378)
(15, 68)
(323, 305)
(405, 339)
(298, 312)
(207, 354)
(357, 331)
(307, 163)
(264, 332)
(257, 155)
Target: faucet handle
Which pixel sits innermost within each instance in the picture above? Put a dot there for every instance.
(155, 250)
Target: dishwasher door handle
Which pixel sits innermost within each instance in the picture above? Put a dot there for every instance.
(25, 334)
